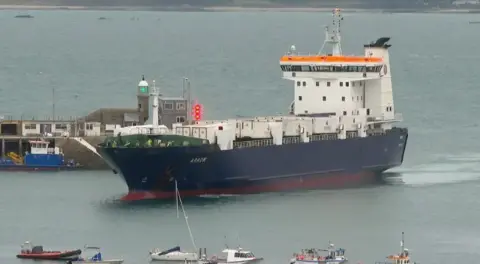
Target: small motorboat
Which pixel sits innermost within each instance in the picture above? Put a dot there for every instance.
(95, 257)
(402, 258)
(173, 254)
(237, 256)
(313, 256)
(36, 252)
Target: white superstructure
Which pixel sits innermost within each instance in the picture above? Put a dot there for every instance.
(347, 86)
(336, 97)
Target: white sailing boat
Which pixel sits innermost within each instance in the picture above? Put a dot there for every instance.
(175, 254)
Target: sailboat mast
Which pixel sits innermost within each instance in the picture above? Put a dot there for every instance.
(186, 217)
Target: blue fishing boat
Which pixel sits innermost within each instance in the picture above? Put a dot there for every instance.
(39, 158)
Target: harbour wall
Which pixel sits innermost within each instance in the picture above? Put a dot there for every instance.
(72, 149)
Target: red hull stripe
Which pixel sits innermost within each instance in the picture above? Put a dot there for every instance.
(330, 181)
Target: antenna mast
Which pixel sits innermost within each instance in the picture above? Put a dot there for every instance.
(188, 91)
(334, 37)
(402, 242)
(53, 104)
(155, 95)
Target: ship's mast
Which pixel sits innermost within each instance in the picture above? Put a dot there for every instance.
(402, 242)
(334, 38)
(155, 94)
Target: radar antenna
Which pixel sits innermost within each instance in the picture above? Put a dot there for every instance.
(334, 37)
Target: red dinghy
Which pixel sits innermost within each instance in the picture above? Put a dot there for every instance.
(36, 252)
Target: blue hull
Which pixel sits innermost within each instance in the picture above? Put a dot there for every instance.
(206, 170)
(9, 167)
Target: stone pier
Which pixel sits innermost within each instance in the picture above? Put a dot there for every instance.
(74, 150)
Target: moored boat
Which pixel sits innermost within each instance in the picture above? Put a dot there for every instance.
(36, 252)
(173, 254)
(237, 256)
(39, 157)
(96, 257)
(402, 258)
(313, 256)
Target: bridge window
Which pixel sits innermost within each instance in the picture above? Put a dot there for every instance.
(306, 68)
(336, 68)
(241, 255)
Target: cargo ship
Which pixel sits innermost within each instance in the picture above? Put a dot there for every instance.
(340, 132)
